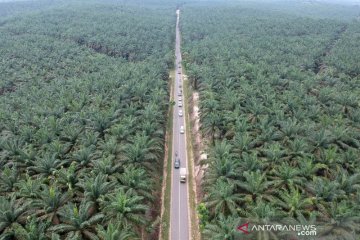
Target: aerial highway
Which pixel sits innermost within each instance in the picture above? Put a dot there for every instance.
(179, 215)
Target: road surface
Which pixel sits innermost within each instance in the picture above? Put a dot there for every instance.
(179, 214)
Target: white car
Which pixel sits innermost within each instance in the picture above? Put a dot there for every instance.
(180, 103)
(180, 98)
(180, 113)
(180, 93)
(182, 129)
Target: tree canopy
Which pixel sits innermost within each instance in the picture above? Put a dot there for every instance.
(83, 99)
(279, 110)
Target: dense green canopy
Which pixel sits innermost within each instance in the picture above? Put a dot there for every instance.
(83, 103)
(279, 108)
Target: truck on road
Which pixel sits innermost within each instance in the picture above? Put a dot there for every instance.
(182, 175)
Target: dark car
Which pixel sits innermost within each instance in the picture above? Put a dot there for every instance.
(177, 163)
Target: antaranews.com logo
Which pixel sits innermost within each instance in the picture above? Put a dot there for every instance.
(300, 230)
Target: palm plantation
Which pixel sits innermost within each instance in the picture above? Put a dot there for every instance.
(84, 95)
(82, 123)
(281, 131)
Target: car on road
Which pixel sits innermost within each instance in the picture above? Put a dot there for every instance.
(183, 175)
(180, 103)
(182, 129)
(180, 98)
(177, 163)
(180, 93)
(180, 113)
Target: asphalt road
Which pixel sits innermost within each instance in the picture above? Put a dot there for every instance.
(179, 215)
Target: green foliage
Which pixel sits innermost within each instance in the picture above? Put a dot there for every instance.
(203, 214)
(115, 232)
(83, 103)
(279, 99)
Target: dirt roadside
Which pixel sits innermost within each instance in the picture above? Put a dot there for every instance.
(199, 148)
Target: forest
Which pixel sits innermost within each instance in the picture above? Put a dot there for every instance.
(83, 103)
(280, 112)
(84, 100)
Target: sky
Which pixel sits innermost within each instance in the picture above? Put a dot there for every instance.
(328, 1)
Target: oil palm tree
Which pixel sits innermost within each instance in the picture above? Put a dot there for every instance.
(290, 128)
(28, 188)
(44, 136)
(350, 184)
(255, 109)
(151, 113)
(142, 151)
(294, 202)
(106, 165)
(126, 207)
(285, 175)
(256, 185)
(101, 122)
(77, 222)
(299, 147)
(27, 156)
(274, 152)
(231, 119)
(324, 190)
(343, 222)
(33, 230)
(211, 126)
(308, 167)
(320, 139)
(222, 198)
(224, 228)
(12, 211)
(68, 176)
(153, 129)
(109, 146)
(225, 168)
(8, 178)
(136, 180)
(46, 165)
(58, 148)
(250, 162)
(241, 142)
(50, 200)
(120, 131)
(12, 146)
(115, 232)
(84, 155)
(94, 188)
(208, 104)
(262, 213)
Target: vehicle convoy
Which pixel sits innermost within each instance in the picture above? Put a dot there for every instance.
(183, 174)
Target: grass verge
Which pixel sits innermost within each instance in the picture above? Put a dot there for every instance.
(165, 220)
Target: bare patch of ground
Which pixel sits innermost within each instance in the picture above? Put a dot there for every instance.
(199, 147)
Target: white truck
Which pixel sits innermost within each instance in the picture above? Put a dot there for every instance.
(182, 175)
